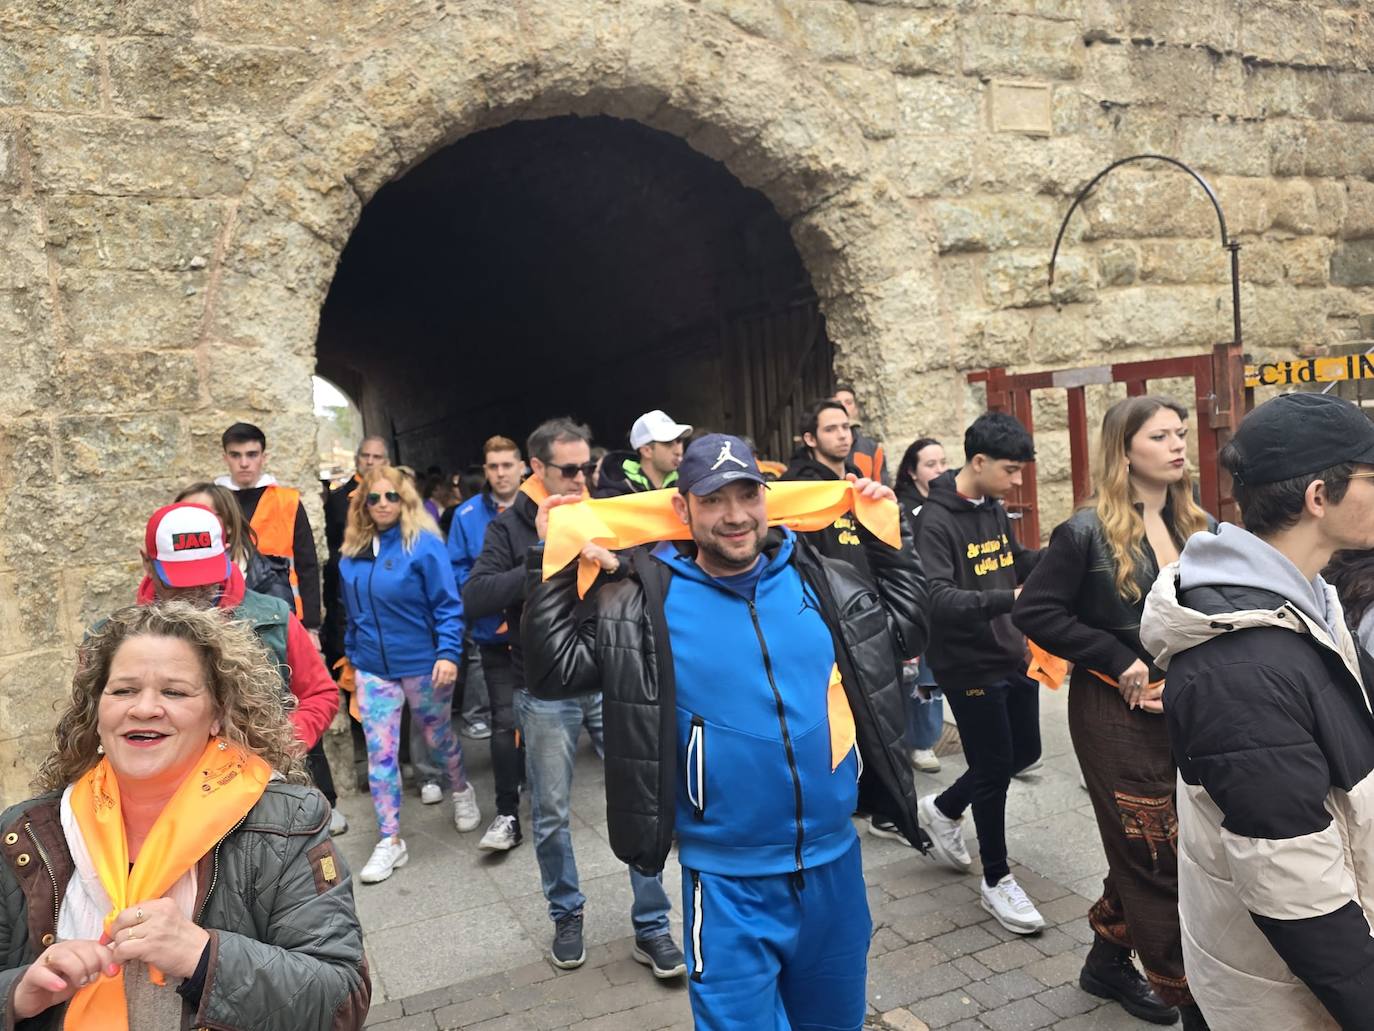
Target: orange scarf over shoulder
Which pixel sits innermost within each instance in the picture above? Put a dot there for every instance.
(635, 519)
(225, 784)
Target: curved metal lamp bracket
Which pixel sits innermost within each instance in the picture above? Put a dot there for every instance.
(1226, 242)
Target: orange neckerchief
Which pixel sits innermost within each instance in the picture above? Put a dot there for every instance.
(1051, 670)
(635, 519)
(225, 784)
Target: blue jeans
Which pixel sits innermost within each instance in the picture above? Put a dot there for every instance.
(925, 720)
(550, 731)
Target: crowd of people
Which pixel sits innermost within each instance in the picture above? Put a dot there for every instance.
(758, 652)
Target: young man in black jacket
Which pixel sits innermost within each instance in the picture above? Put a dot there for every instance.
(560, 454)
(824, 455)
(745, 676)
(1268, 702)
(975, 565)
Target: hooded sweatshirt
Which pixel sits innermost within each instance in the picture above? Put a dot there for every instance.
(1274, 737)
(623, 473)
(843, 539)
(973, 564)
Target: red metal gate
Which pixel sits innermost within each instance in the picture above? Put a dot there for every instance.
(1220, 400)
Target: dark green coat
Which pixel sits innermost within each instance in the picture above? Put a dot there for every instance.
(286, 948)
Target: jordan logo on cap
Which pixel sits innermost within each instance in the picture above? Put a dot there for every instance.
(726, 455)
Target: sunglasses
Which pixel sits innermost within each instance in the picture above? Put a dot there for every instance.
(391, 495)
(570, 471)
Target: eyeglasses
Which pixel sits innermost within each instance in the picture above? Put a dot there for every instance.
(570, 471)
(391, 496)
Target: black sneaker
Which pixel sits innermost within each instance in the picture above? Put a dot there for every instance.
(568, 951)
(660, 954)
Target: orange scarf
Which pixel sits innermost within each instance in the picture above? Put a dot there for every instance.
(1051, 670)
(225, 784)
(635, 519)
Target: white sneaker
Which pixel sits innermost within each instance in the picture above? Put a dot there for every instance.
(466, 815)
(431, 794)
(925, 760)
(387, 856)
(502, 836)
(338, 823)
(1011, 906)
(946, 836)
(1034, 767)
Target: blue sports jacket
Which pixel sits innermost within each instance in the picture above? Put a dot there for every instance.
(465, 537)
(756, 794)
(403, 607)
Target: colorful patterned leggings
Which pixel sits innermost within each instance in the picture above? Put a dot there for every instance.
(379, 705)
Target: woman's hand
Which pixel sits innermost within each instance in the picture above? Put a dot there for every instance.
(444, 673)
(1134, 683)
(1153, 699)
(60, 973)
(157, 933)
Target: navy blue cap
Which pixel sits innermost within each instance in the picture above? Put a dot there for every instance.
(714, 460)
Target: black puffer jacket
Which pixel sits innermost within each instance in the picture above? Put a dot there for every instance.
(1070, 605)
(286, 949)
(617, 641)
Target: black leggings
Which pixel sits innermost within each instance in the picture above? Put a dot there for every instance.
(319, 771)
(506, 762)
(999, 726)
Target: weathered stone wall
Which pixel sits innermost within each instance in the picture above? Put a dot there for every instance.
(177, 180)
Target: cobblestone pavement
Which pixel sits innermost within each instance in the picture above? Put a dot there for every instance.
(457, 939)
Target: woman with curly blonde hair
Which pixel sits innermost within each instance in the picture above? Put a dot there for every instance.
(190, 868)
(404, 640)
(1083, 602)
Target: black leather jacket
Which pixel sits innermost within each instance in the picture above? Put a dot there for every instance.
(617, 642)
(1070, 606)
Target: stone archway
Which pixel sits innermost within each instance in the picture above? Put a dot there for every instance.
(739, 98)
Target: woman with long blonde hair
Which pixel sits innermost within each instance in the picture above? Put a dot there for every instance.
(1083, 603)
(404, 639)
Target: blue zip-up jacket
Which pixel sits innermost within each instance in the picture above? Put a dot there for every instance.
(465, 537)
(403, 607)
(757, 795)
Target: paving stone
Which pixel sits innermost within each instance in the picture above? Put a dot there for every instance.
(470, 1012)
(430, 1000)
(1065, 909)
(1008, 956)
(1052, 941)
(886, 940)
(942, 1010)
(530, 973)
(921, 926)
(1068, 1000)
(1052, 971)
(903, 1020)
(1001, 989)
(382, 1012)
(414, 1022)
(1022, 1015)
(972, 968)
(964, 941)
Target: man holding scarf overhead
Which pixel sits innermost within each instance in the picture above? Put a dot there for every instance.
(746, 681)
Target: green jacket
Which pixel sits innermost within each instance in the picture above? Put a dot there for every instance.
(286, 948)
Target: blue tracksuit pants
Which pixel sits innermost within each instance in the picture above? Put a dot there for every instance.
(770, 954)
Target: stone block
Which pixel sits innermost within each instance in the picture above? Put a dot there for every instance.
(1348, 36)
(995, 222)
(1186, 261)
(931, 166)
(1283, 317)
(996, 338)
(1287, 143)
(165, 78)
(1357, 204)
(134, 233)
(1062, 165)
(1284, 32)
(871, 97)
(912, 42)
(51, 74)
(26, 338)
(29, 610)
(1273, 91)
(19, 16)
(19, 758)
(1059, 338)
(1352, 99)
(90, 593)
(254, 312)
(127, 447)
(1183, 79)
(1306, 261)
(1021, 47)
(23, 264)
(1340, 150)
(129, 309)
(827, 29)
(91, 379)
(1148, 200)
(316, 23)
(283, 254)
(1352, 263)
(1020, 279)
(1191, 317)
(32, 697)
(1220, 145)
(119, 156)
(1208, 23)
(757, 17)
(939, 105)
(1118, 263)
(261, 380)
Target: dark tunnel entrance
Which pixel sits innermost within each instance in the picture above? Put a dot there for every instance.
(584, 266)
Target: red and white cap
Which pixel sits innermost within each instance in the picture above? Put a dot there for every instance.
(186, 544)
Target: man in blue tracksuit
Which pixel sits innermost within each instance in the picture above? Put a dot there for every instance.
(503, 466)
(747, 680)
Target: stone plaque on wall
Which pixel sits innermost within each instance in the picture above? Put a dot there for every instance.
(1021, 107)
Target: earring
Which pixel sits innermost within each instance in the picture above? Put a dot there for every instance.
(222, 746)
(99, 749)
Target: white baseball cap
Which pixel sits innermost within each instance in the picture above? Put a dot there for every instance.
(656, 426)
(186, 544)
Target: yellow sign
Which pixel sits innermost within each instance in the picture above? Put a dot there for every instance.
(1310, 370)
